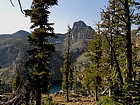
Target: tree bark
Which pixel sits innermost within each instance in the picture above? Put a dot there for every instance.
(128, 39)
(110, 91)
(96, 93)
(38, 97)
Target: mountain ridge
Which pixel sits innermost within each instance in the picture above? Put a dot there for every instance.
(13, 48)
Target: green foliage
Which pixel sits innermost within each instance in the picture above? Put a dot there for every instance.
(106, 100)
(63, 70)
(92, 79)
(17, 80)
(93, 76)
(67, 69)
(116, 26)
(128, 94)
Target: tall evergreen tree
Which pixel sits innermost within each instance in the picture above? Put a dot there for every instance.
(124, 13)
(41, 48)
(93, 73)
(66, 69)
(117, 21)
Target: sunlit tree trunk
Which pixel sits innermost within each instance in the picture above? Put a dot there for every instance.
(96, 93)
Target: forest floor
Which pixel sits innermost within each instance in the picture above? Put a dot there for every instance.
(60, 100)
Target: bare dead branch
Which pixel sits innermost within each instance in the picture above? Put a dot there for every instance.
(12, 3)
(20, 5)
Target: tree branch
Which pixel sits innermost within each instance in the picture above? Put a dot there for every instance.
(20, 5)
(122, 2)
(116, 61)
(12, 3)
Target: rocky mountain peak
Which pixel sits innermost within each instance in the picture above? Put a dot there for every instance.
(79, 25)
(81, 31)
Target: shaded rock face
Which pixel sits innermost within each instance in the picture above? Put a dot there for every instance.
(81, 35)
(13, 49)
(11, 45)
(81, 31)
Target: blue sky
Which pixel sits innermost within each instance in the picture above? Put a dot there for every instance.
(66, 13)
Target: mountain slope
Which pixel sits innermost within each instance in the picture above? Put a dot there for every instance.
(11, 45)
(13, 49)
(81, 35)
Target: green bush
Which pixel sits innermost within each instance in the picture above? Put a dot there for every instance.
(106, 100)
(48, 101)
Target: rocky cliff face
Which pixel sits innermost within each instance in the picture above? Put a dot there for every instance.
(81, 35)
(81, 31)
(13, 49)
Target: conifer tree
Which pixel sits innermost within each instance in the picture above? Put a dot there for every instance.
(17, 80)
(66, 69)
(93, 72)
(124, 15)
(41, 48)
(117, 21)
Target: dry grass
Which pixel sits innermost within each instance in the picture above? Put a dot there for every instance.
(60, 100)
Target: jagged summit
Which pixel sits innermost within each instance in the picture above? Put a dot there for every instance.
(81, 31)
(79, 25)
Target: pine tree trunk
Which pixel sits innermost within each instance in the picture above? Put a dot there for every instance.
(27, 98)
(68, 65)
(128, 39)
(38, 97)
(110, 91)
(96, 93)
(67, 82)
(67, 94)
